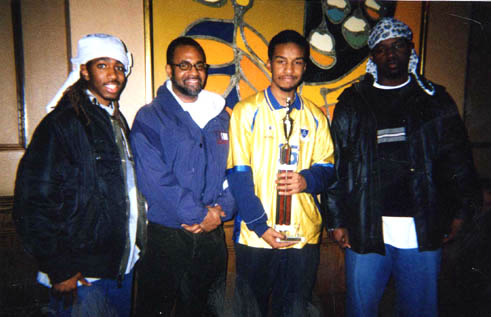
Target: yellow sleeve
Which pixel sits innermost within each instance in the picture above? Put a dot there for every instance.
(240, 134)
(324, 147)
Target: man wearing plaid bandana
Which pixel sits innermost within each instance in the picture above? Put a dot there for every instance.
(401, 152)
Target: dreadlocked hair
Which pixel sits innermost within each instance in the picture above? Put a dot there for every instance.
(76, 94)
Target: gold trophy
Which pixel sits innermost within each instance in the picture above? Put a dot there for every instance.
(283, 221)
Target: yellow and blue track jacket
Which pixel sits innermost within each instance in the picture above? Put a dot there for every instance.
(256, 135)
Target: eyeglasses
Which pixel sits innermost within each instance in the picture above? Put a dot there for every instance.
(398, 46)
(200, 66)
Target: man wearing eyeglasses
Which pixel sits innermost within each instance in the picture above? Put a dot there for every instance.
(405, 178)
(180, 143)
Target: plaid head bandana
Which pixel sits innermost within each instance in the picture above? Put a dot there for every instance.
(389, 28)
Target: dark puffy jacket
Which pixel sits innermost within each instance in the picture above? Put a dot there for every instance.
(444, 182)
(70, 196)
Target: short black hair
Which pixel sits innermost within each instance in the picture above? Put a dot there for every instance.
(289, 36)
(182, 41)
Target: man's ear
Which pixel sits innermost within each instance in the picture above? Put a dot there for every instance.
(168, 70)
(84, 72)
(268, 65)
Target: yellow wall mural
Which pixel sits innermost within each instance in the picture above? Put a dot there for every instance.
(235, 36)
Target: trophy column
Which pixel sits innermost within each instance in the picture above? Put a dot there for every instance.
(283, 222)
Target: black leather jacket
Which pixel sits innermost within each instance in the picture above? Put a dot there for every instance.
(70, 204)
(444, 181)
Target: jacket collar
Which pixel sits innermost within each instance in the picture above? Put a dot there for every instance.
(169, 105)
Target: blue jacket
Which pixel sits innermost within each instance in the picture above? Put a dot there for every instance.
(180, 167)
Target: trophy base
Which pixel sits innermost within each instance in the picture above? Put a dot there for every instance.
(291, 239)
(290, 233)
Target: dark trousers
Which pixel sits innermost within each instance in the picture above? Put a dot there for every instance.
(287, 275)
(182, 272)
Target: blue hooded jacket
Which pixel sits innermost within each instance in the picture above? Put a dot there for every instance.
(180, 167)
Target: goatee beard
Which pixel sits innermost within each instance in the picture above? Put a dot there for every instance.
(288, 89)
(191, 92)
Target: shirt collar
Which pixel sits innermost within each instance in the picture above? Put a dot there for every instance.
(109, 108)
(377, 85)
(274, 104)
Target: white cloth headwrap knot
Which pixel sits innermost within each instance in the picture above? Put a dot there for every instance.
(90, 47)
(389, 28)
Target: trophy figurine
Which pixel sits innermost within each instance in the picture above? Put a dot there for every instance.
(283, 221)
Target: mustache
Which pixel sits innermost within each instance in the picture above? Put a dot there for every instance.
(289, 76)
(114, 82)
(193, 78)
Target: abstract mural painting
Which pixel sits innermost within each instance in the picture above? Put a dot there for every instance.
(235, 34)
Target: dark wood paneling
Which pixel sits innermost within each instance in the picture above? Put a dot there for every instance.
(20, 294)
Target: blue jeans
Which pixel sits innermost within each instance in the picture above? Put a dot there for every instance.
(415, 275)
(102, 298)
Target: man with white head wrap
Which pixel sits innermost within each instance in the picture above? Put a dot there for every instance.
(90, 47)
(76, 205)
(401, 152)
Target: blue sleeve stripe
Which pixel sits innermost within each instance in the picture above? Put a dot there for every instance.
(258, 218)
(330, 165)
(239, 168)
(316, 121)
(254, 119)
(236, 231)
